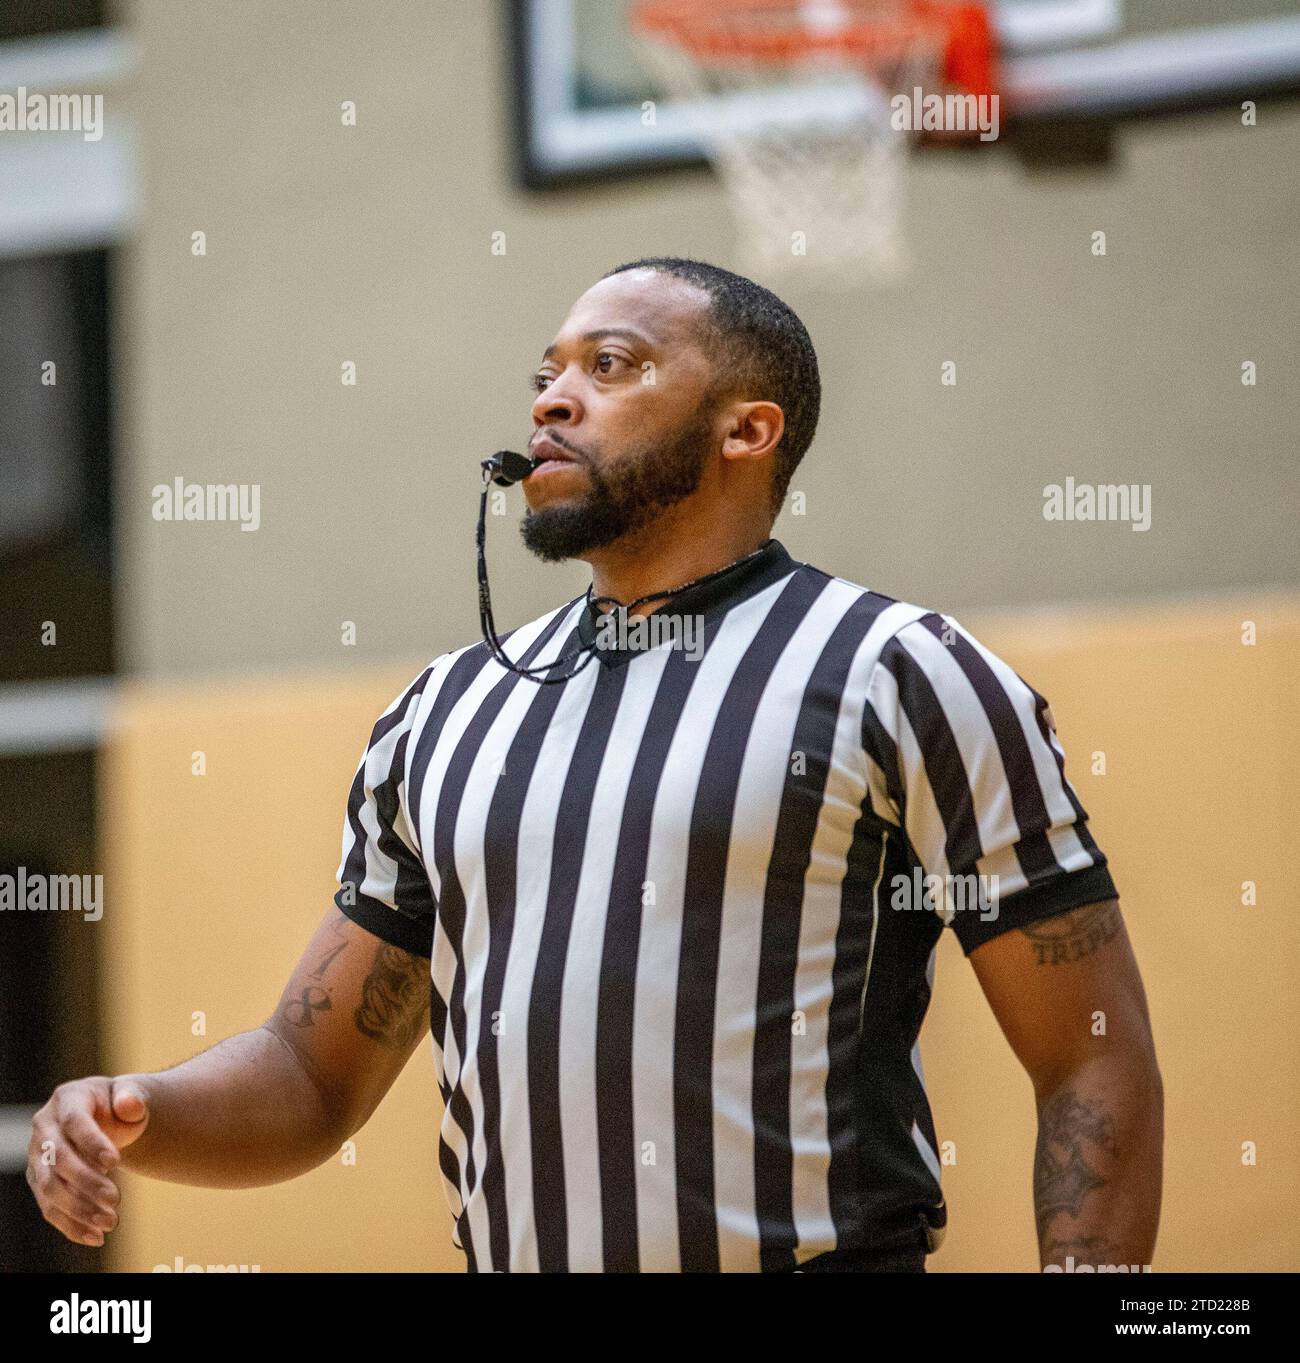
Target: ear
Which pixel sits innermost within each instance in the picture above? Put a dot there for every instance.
(753, 430)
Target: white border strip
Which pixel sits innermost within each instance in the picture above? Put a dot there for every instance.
(59, 192)
(62, 193)
(1153, 71)
(1132, 73)
(89, 59)
(15, 1132)
(66, 716)
(1025, 27)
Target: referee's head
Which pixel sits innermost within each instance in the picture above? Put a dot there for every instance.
(673, 389)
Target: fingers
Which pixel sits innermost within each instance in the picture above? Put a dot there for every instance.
(73, 1112)
(69, 1163)
(61, 1196)
(74, 1230)
(73, 1215)
(66, 1157)
(127, 1100)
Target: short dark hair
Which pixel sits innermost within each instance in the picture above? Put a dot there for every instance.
(764, 353)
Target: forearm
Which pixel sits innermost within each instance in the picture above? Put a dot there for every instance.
(242, 1114)
(1097, 1166)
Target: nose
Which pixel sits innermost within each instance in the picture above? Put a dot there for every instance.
(557, 404)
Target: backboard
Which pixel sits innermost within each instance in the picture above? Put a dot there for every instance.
(1070, 70)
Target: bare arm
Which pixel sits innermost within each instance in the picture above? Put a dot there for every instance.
(259, 1107)
(1067, 994)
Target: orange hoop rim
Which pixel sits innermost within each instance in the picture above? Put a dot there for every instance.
(960, 34)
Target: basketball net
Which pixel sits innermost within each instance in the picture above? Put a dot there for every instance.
(795, 97)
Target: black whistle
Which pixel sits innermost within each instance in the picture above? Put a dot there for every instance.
(507, 467)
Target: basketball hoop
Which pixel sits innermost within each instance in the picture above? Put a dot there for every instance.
(796, 113)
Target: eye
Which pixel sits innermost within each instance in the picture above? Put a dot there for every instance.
(604, 356)
(536, 382)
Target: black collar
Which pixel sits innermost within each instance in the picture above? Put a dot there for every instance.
(707, 601)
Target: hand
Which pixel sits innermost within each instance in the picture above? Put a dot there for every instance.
(74, 1149)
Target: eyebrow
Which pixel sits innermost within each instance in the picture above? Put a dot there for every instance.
(624, 333)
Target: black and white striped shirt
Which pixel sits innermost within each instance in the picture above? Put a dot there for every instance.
(676, 994)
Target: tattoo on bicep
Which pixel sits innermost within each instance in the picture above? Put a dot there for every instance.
(394, 1005)
(302, 1010)
(1074, 1135)
(339, 927)
(1071, 936)
(315, 998)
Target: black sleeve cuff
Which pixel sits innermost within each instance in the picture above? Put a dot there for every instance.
(1044, 900)
(393, 926)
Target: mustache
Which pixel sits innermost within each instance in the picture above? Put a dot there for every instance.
(560, 444)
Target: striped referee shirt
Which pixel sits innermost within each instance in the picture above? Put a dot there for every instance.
(679, 959)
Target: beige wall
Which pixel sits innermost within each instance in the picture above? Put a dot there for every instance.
(372, 244)
(1200, 738)
(222, 879)
(216, 884)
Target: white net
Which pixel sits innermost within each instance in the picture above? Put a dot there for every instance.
(805, 143)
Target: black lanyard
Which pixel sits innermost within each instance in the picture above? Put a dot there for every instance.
(492, 473)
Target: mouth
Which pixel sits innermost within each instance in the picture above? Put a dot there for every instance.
(548, 456)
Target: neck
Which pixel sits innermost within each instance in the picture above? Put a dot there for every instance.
(664, 555)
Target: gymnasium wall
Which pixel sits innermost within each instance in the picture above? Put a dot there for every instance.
(373, 244)
(216, 882)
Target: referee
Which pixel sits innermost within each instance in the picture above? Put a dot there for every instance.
(666, 890)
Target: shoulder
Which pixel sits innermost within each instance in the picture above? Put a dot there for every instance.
(894, 623)
(923, 663)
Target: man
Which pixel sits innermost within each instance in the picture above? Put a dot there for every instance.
(660, 909)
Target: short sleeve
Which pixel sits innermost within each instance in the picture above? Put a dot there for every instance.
(383, 885)
(964, 757)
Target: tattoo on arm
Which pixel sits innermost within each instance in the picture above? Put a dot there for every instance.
(339, 927)
(1074, 1136)
(1071, 936)
(301, 1012)
(394, 998)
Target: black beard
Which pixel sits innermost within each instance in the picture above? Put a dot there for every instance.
(622, 499)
